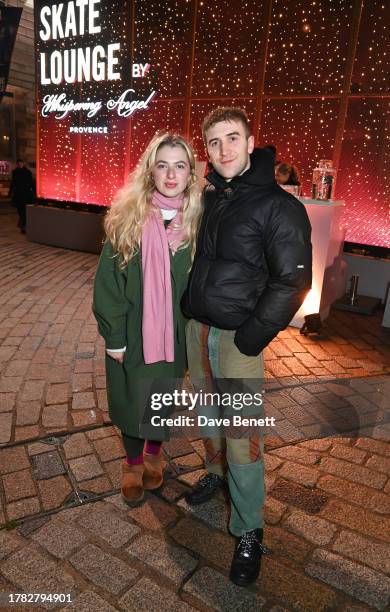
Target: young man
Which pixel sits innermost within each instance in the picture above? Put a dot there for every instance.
(251, 272)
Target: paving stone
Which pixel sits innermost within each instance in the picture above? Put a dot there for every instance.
(285, 545)
(216, 591)
(147, 591)
(26, 433)
(191, 478)
(296, 453)
(34, 572)
(297, 591)
(55, 416)
(58, 538)
(106, 524)
(154, 514)
(109, 448)
(85, 468)
(98, 485)
(7, 402)
(90, 602)
(355, 473)
(213, 512)
(348, 453)
(177, 447)
(47, 465)
(103, 569)
(271, 463)
(102, 399)
(363, 550)
(309, 500)
(380, 464)
(5, 427)
(83, 400)
(13, 459)
(360, 582)
(9, 542)
(23, 507)
(172, 490)
(53, 492)
(27, 413)
(171, 561)
(350, 491)
(273, 510)
(312, 528)
(83, 418)
(82, 382)
(214, 546)
(188, 461)
(299, 473)
(10, 384)
(18, 485)
(77, 445)
(276, 367)
(317, 445)
(38, 371)
(359, 519)
(374, 446)
(100, 432)
(33, 390)
(57, 393)
(114, 470)
(40, 447)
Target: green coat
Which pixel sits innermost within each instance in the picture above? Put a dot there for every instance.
(117, 305)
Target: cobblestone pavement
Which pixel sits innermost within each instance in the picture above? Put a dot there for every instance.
(66, 529)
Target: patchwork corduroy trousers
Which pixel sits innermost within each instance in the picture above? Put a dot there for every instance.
(212, 358)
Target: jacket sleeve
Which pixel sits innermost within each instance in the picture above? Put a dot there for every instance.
(110, 305)
(288, 254)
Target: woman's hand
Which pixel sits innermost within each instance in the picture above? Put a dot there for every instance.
(118, 356)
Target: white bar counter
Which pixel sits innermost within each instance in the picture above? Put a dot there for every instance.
(329, 270)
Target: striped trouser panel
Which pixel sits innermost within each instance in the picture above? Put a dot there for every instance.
(213, 356)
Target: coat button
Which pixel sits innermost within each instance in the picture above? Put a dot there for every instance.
(228, 192)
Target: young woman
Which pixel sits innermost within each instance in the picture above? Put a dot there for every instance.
(141, 277)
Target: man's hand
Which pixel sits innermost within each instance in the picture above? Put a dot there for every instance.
(118, 356)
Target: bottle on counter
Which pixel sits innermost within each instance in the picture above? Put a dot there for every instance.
(324, 177)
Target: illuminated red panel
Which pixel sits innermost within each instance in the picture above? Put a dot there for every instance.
(371, 68)
(163, 38)
(364, 170)
(307, 47)
(227, 48)
(162, 116)
(199, 110)
(101, 163)
(303, 132)
(57, 169)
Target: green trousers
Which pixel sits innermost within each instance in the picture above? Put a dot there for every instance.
(213, 356)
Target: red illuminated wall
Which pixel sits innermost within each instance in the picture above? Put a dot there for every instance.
(311, 75)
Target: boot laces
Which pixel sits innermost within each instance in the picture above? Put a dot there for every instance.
(247, 542)
(207, 480)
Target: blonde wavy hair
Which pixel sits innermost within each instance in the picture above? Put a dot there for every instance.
(132, 204)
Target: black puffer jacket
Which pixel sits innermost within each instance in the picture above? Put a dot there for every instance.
(252, 267)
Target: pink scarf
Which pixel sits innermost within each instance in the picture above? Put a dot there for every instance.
(157, 314)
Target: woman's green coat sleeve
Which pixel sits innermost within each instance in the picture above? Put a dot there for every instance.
(110, 305)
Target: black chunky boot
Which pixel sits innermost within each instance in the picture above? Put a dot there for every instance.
(247, 558)
(204, 489)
